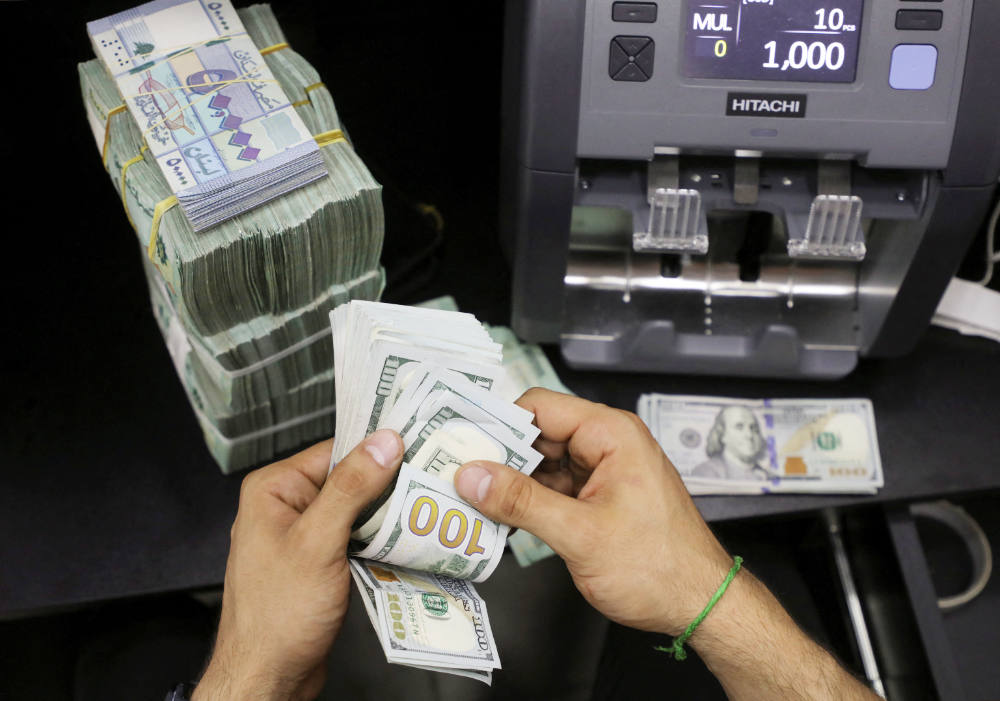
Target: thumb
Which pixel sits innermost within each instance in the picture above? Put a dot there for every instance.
(354, 482)
(503, 494)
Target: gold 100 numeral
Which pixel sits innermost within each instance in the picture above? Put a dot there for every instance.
(425, 503)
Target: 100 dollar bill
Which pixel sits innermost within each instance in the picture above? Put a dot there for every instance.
(442, 430)
(722, 445)
(428, 527)
(428, 621)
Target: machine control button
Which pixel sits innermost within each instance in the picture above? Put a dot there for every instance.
(631, 58)
(633, 12)
(631, 74)
(919, 19)
(633, 45)
(913, 66)
(617, 59)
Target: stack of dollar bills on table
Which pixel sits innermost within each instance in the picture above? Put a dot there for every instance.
(431, 376)
(743, 446)
(243, 304)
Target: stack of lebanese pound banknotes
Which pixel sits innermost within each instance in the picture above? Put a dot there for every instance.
(742, 446)
(223, 133)
(243, 305)
(431, 376)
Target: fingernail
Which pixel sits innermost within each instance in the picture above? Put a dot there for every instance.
(383, 446)
(473, 482)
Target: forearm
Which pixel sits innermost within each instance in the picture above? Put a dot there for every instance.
(229, 678)
(756, 650)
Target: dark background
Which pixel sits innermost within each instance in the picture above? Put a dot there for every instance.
(94, 421)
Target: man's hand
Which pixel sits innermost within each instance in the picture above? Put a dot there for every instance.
(287, 578)
(640, 553)
(635, 544)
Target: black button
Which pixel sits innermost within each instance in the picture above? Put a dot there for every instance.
(644, 59)
(633, 12)
(918, 19)
(633, 45)
(630, 73)
(618, 59)
(630, 58)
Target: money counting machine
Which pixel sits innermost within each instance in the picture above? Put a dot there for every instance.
(747, 187)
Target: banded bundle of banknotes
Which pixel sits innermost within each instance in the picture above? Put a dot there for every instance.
(217, 123)
(242, 304)
(740, 446)
(430, 375)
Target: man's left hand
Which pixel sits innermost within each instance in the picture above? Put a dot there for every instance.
(287, 578)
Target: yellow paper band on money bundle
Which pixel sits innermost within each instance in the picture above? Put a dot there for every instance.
(273, 47)
(107, 132)
(301, 102)
(315, 86)
(329, 137)
(125, 168)
(154, 230)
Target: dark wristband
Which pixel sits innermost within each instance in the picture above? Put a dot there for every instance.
(181, 692)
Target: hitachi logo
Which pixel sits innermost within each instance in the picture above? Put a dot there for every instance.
(765, 105)
(747, 105)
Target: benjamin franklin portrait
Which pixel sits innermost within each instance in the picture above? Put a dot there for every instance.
(734, 447)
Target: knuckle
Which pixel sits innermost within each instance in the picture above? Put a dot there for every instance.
(348, 482)
(515, 502)
(530, 392)
(628, 421)
(249, 485)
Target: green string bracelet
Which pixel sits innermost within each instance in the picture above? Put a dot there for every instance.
(677, 647)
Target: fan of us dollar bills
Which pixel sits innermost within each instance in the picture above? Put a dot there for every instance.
(430, 375)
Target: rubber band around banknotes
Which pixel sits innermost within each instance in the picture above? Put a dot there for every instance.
(323, 139)
(125, 166)
(274, 47)
(154, 230)
(278, 47)
(315, 86)
(677, 646)
(107, 131)
(329, 137)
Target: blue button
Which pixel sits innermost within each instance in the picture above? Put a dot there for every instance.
(913, 66)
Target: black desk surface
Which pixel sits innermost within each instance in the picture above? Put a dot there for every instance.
(107, 490)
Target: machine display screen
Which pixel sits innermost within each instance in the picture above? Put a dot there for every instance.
(794, 40)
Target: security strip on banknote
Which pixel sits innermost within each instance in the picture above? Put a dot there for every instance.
(432, 376)
(763, 446)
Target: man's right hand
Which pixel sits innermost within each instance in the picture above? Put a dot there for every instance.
(612, 506)
(635, 544)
